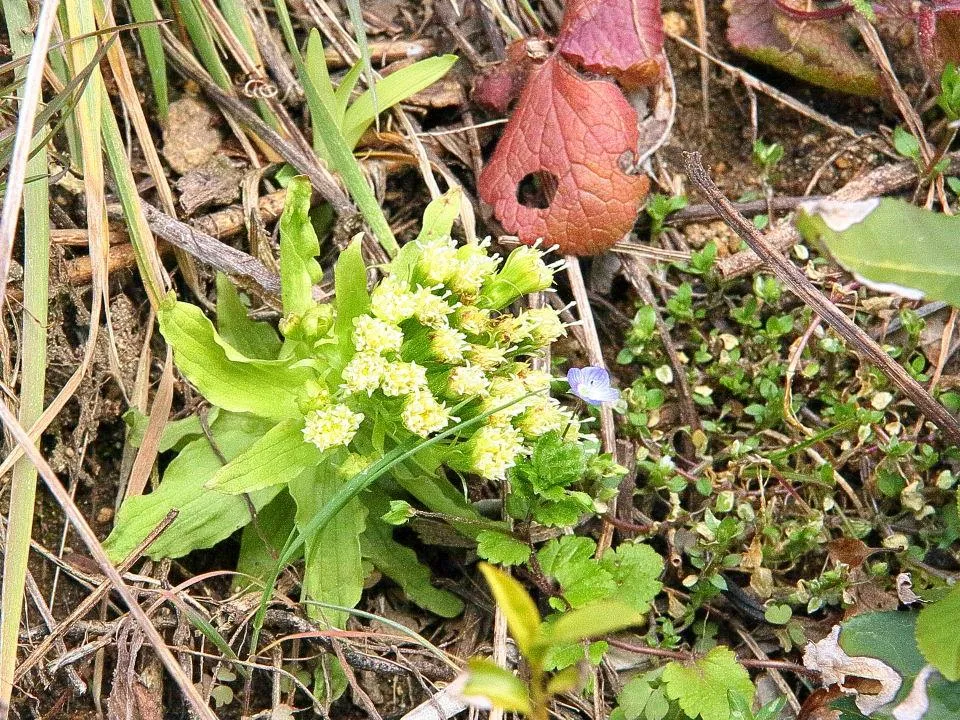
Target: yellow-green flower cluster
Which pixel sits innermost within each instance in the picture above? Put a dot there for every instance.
(437, 345)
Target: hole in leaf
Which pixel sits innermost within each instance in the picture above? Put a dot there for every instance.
(537, 189)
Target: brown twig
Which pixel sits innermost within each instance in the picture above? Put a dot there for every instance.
(689, 657)
(792, 277)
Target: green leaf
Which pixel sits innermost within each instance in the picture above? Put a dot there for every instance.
(555, 464)
(299, 246)
(225, 377)
(635, 568)
(570, 561)
(352, 298)
(344, 90)
(401, 565)
(501, 548)
(206, 517)
(778, 614)
(275, 459)
(519, 610)
(261, 542)
(701, 687)
(593, 620)
(316, 67)
(440, 214)
(254, 339)
(939, 645)
(501, 687)
(633, 698)
(400, 511)
(889, 245)
(566, 680)
(333, 571)
(175, 432)
(887, 636)
(394, 88)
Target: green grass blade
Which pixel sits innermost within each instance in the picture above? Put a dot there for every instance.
(360, 33)
(392, 89)
(202, 40)
(36, 233)
(341, 156)
(143, 11)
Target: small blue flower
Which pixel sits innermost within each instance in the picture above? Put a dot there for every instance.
(592, 384)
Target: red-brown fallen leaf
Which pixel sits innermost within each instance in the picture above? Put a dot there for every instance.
(497, 86)
(579, 134)
(622, 38)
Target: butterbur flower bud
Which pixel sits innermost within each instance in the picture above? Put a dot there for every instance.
(544, 325)
(423, 414)
(542, 416)
(438, 260)
(473, 267)
(472, 320)
(309, 326)
(467, 381)
(315, 395)
(364, 373)
(489, 358)
(402, 378)
(448, 345)
(331, 426)
(374, 335)
(392, 301)
(495, 450)
(431, 309)
(524, 272)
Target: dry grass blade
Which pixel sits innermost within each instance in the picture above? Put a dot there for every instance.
(147, 454)
(89, 602)
(792, 277)
(87, 536)
(29, 106)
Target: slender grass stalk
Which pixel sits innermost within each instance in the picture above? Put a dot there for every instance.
(33, 361)
(143, 11)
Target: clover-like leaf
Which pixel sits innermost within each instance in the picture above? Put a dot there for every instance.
(577, 138)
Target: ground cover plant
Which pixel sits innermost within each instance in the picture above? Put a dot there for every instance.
(587, 359)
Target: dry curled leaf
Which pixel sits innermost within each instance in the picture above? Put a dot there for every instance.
(577, 138)
(565, 169)
(611, 37)
(848, 673)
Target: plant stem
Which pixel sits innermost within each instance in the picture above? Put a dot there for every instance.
(33, 361)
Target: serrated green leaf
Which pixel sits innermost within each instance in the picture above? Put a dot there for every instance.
(333, 569)
(635, 569)
(392, 89)
(352, 298)
(560, 657)
(556, 464)
(519, 610)
(591, 621)
(500, 548)
(889, 245)
(257, 340)
(562, 513)
(501, 687)
(582, 578)
(940, 647)
(299, 247)
(275, 459)
(701, 687)
(225, 377)
(206, 517)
